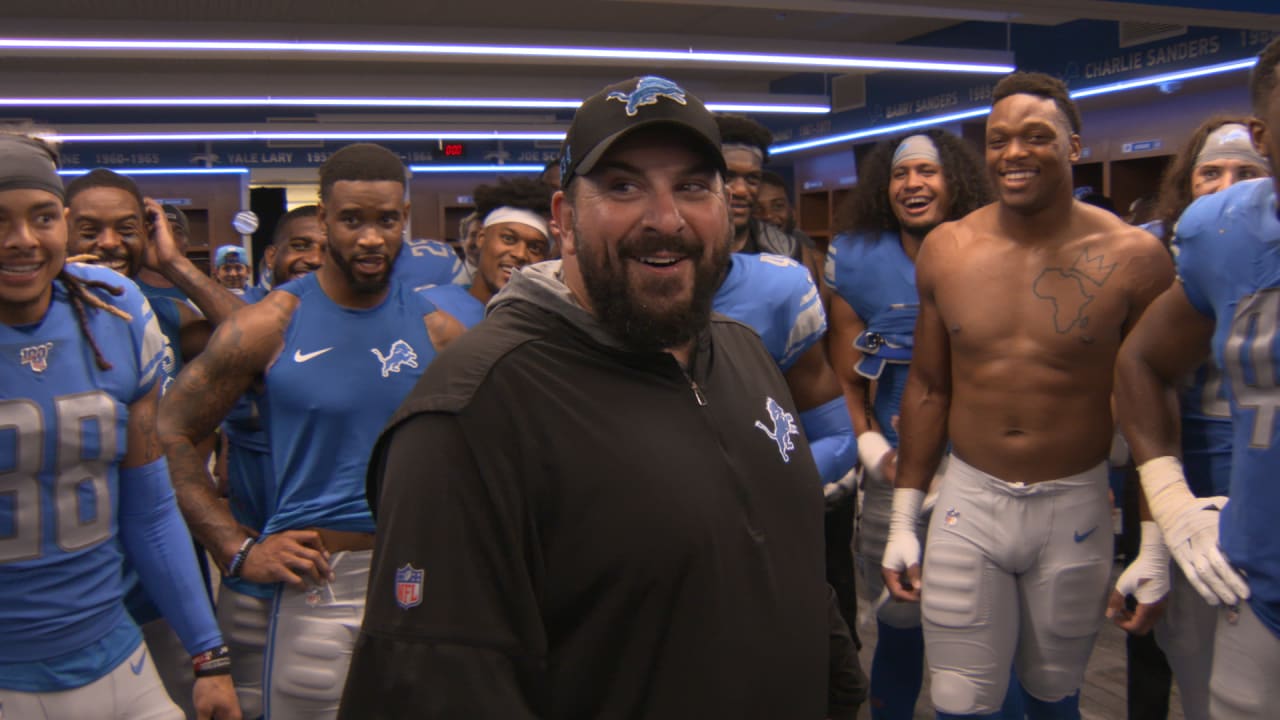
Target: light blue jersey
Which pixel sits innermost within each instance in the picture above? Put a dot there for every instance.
(458, 302)
(777, 298)
(1228, 254)
(423, 263)
(340, 375)
(63, 434)
(1206, 421)
(878, 280)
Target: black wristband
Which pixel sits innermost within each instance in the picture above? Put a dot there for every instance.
(237, 561)
(212, 662)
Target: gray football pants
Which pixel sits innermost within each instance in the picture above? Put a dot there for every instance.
(313, 634)
(244, 621)
(1246, 668)
(1013, 574)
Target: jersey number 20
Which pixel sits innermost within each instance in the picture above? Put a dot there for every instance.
(81, 496)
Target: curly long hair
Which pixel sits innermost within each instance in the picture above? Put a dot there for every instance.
(1175, 184)
(867, 208)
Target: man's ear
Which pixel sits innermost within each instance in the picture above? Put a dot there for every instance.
(562, 215)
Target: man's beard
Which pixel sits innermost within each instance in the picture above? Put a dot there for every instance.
(641, 326)
(359, 285)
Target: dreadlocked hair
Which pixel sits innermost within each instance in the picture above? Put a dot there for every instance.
(81, 297)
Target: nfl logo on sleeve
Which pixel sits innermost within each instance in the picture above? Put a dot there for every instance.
(408, 587)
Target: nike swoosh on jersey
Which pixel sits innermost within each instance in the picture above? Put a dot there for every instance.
(137, 667)
(299, 356)
(1081, 537)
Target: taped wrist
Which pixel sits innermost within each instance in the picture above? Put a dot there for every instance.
(906, 510)
(872, 447)
(157, 540)
(1166, 489)
(831, 439)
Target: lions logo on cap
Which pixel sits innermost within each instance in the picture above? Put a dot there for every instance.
(647, 92)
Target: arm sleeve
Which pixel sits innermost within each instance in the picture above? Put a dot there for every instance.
(159, 545)
(831, 438)
(847, 684)
(468, 641)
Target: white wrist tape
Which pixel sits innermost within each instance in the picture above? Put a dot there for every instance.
(872, 447)
(1166, 489)
(906, 510)
(1147, 579)
(902, 549)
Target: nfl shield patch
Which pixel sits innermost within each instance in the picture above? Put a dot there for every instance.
(408, 587)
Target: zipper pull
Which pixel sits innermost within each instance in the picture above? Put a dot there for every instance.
(697, 392)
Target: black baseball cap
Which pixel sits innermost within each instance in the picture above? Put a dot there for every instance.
(606, 117)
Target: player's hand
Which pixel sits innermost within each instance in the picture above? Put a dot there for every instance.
(215, 699)
(1147, 580)
(166, 250)
(294, 557)
(1143, 617)
(900, 566)
(1192, 537)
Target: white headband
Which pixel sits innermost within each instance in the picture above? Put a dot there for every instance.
(506, 214)
(753, 149)
(916, 147)
(1229, 142)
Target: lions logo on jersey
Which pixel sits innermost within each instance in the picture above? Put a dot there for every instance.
(647, 92)
(784, 426)
(399, 354)
(36, 357)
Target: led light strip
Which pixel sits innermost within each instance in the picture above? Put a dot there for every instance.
(476, 168)
(73, 172)
(979, 112)
(403, 102)
(254, 135)
(587, 53)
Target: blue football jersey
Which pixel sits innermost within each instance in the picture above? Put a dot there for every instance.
(874, 275)
(164, 303)
(340, 376)
(1206, 432)
(776, 297)
(63, 433)
(1228, 256)
(423, 263)
(458, 302)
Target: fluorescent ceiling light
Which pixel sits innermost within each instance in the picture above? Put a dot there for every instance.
(163, 171)
(874, 131)
(292, 135)
(1167, 77)
(688, 56)
(403, 102)
(476, 168)
(978, 112)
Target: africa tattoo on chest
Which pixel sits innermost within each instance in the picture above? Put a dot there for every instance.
(1072, 289)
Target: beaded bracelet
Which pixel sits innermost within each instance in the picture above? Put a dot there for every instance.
(237, 561)
(212, 662)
